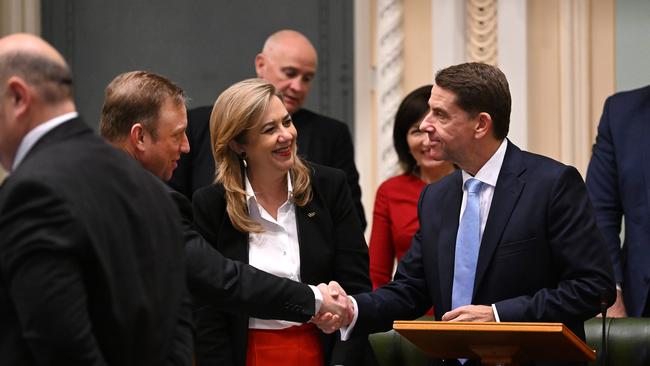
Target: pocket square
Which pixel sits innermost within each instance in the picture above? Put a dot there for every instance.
(311, 214)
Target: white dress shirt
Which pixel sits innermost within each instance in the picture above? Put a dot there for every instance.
(276, 250)
(36, 133)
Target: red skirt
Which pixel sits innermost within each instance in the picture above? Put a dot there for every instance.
(294, 346)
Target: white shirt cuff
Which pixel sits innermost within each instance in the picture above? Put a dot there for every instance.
(318, 297)
(346, 331)
(496, 313)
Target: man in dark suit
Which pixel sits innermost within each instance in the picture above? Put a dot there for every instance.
(618, 180)
(90, 263)
(521, 245)
(288, 61)
(144, 116)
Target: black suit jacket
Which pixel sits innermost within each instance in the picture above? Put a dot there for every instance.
(321, 140)
(332, 247)
(91, 259)
(541, 258)
(235, 286)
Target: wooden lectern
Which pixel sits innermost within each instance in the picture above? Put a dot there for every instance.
(496, 343)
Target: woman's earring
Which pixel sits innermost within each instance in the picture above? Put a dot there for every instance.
(243, 157)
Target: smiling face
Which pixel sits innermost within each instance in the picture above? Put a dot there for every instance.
(160, 155)
(270, 144)
(420, 148)
(450, 129)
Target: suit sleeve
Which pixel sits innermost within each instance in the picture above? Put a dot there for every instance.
(343, 158)
(406, 297)
(381, 248)
(350, 269)
(40, 259)
(580, 263)
(602, 183)
(231, 285)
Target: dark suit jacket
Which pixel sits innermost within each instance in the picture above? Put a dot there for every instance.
(236, 286)
(332, 247)
(542, 257)
(91, 260)
(321, 140)
(618, 180)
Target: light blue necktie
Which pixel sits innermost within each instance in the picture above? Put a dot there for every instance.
(467, 247)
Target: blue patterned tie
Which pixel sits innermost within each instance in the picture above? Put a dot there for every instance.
(467, 247)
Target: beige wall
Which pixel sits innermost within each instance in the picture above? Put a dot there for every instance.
(418, 40)
(571, 71)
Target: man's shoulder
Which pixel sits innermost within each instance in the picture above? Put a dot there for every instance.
(315, 120)
(198, 119)
(540, 170)
(642, 93)
(324, 175)
(201, 113)
(209, 194)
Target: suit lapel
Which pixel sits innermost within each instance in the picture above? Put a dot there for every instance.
(446, 243)
(309, 220)
(506, 193)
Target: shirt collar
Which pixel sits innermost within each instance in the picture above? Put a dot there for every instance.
(250, 194)
(489, 172)
(36, 133)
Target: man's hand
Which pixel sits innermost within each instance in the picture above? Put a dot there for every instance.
(470, 313)
(335, 311)
(617, 310)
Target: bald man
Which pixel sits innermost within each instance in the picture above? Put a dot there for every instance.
(289, 61)
(90, 243)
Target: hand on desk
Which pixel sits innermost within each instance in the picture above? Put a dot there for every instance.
(337, 309)
(470, 313)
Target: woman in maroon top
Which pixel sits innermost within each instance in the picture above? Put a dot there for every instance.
(395, 214)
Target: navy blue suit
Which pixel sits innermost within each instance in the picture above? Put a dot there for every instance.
(541, 256)
(618, 181)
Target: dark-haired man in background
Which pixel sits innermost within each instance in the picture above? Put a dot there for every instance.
(511, 236)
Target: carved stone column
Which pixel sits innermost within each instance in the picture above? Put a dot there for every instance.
(482, 31)
(389, 78)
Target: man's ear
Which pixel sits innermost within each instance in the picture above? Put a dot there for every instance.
(137, 136)
(484, 124)
(236, 147)
(20, 95)
(260, 61)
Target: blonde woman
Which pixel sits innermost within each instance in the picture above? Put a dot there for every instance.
(282, 215)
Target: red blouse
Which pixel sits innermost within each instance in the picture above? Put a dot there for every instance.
(395, 221)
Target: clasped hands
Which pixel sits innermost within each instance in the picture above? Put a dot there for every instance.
(336, 310)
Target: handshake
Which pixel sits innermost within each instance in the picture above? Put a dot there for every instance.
(336, 311)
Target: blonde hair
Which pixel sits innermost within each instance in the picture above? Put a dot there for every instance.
(237, 110)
